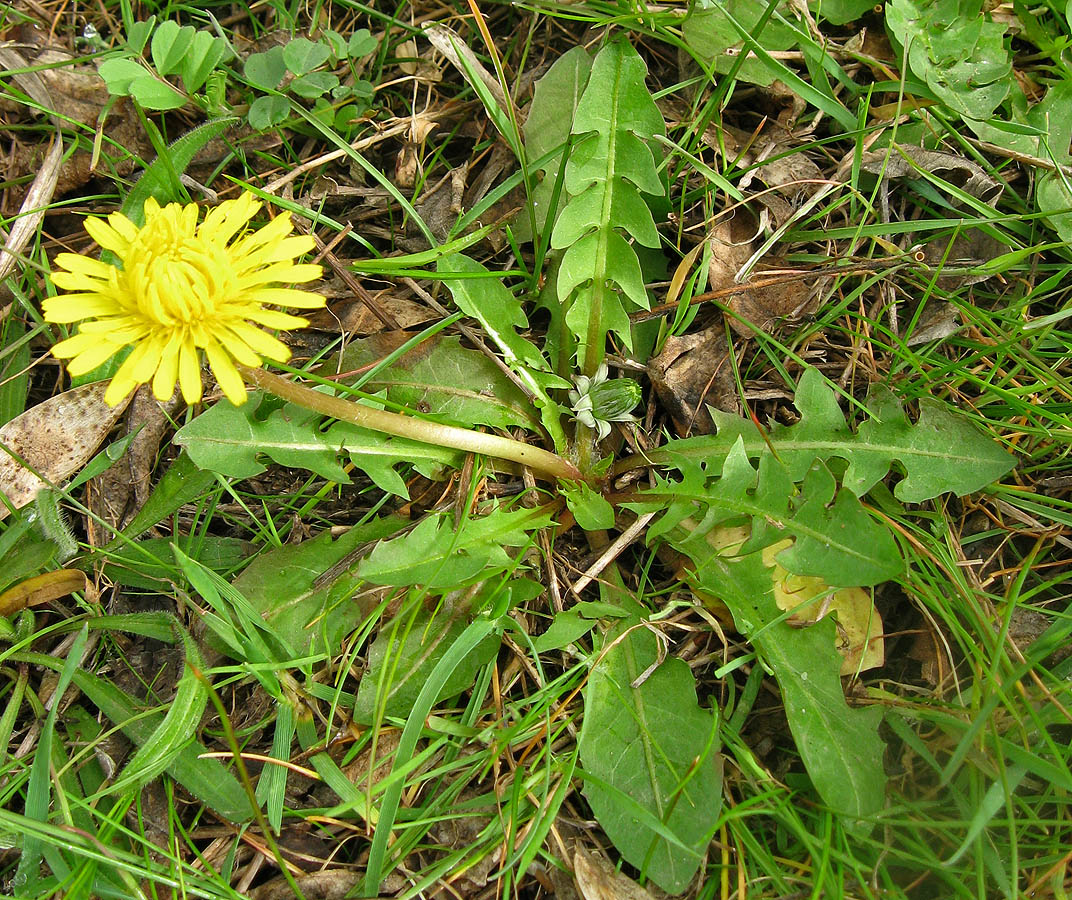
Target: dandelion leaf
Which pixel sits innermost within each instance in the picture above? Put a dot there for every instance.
(406, 650)
(650, 754)
(443, 379)
(283, 586)
(231, 440)
(957, 49)
(439, 555)
(547, 129)
(942, 452)
(611, 164)
(840, 746)
(835, 538)
(480, 294)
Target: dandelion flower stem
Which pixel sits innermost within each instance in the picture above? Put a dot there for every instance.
(541, 461)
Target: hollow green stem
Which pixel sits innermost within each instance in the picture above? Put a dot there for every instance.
(540, 461)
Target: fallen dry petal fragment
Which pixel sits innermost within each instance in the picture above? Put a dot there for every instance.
(55, 439)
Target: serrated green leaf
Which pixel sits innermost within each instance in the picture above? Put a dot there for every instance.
(406, 651)
(169, 45)
(302, 55)
(839, 543)
(448, 382)
(438, 555)
(592, 510)
(840, 747)
(610, 164)
(942, 453)
(282, 586)
(554, 103)
(646, 740)
(204, 55)
(228, 439)
(482, 295)
(957, 50)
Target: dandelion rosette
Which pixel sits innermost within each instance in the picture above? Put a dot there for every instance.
(181, 288)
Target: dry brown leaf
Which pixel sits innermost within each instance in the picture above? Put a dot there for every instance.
(121, 490)
(353, 316)
(598, 880)
(691, 373)
(448, 42)
(762, 306)
(55, 439)
(329, 884)
(33, 208)
(41, 589)
(905, 161)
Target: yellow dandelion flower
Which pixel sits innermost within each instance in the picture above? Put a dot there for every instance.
(181, 288)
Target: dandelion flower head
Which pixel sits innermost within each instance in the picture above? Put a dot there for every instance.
(181, 288)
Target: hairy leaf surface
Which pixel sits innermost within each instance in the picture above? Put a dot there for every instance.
(449, 382)
(482, 295)
(439, 555)
(282, 585)
(407, 649)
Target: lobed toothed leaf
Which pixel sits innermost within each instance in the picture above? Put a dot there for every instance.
(233, 440)
(610, 165)
(941, 453)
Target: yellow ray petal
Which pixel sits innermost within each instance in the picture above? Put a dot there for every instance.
(273, 318)
(66, 308)
(234, 388)
(189, 371)
(106, 236)
(290, 297)
(238, 348)
(259, 342)
(167, 373)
